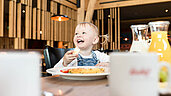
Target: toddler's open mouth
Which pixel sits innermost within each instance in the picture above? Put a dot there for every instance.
(80, 41)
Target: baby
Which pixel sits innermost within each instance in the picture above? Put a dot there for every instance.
(86, 36)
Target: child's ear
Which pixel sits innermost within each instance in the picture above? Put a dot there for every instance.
(96, 40)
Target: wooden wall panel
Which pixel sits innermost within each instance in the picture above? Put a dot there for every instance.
(62, 31)
(1, 18)
(34, 22)
(39, 4)
(26, 2)
(55, 31)
(55, 8)
(118, 27)
(11, 19)
(51, 30)
(43, 25)
(30, 22)
(30, 3)
(37, 20)
(52, 5)
(15, 22)
(38, 23)
(48, 26)
(111, 29)
(66, 25)
(19, 20)
(61, 24)
(27, 23)
(19, 43)
(7, 43)
(109, 32)
(43, 4)
(16, 43)
(102, 12)
(22, 43)
(73, 25)
(115, 29)
(22, 1)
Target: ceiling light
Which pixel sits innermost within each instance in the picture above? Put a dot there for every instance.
(60, 17)
(109, 16)
(40, 32)
(23, 11)
(166, 10)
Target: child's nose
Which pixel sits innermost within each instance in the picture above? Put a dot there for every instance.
(78, 35)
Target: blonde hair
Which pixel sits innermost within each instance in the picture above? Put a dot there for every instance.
(84, 24)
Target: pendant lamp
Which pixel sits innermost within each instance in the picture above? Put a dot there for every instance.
(60, 17)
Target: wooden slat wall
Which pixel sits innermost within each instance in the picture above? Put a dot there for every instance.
(11, 19)
(102, 16)
(27, 23)
(19, 20)
(1, 18)
(38, 25)
(55, 36)
(113, 30)
(69, 25)
(14, 18)
(118, 28)
(30, 22)
(34, 22)
(66, 25)
(51, 21)
(43, 25)
(98, 23)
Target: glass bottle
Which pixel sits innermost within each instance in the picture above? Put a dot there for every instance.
(139, 43)
(160, 43)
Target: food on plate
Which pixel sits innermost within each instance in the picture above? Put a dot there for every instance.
(83, 70)
(76, 50)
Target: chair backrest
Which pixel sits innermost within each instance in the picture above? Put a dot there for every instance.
(53, 55)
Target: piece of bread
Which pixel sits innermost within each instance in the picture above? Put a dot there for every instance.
(76, 50)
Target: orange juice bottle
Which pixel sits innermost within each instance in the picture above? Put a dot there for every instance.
(160, 43)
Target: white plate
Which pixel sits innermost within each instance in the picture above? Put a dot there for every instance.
(56, 71)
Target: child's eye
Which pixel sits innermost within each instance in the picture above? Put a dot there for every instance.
(76, 33)
(84, 33)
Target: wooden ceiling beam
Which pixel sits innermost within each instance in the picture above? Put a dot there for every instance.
(66, 3)
(106, 3)
(90, 10)
(74, 1)
(81, 12)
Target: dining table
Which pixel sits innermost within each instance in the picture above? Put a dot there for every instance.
(64, 87)
(58, 86)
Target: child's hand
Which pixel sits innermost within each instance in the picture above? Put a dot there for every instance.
(69, 57)
(103, 64)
